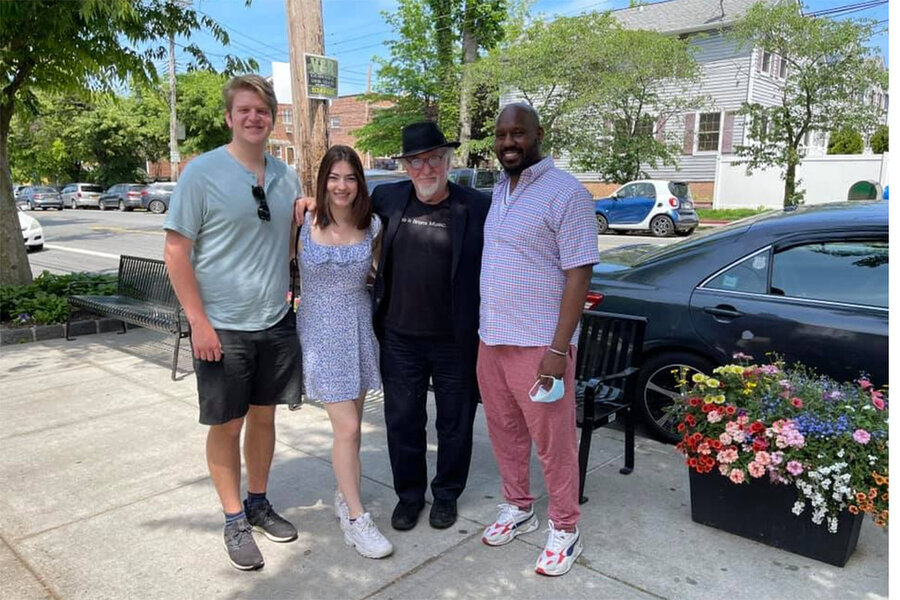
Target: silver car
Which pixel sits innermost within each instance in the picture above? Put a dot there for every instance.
(40, 196)
(80, 195)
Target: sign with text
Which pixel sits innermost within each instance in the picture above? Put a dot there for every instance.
(321, 77)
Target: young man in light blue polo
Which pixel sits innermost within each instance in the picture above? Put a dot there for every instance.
(227, 250)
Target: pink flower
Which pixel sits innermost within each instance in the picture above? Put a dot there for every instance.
(763, 458)
(776, 457)
(713, 416)
(743, 419)
(703, 448)
(862, 436)
(794, 467)
(725, 439)
(727, 456)
(796, 402)
(785, 384)
(736, 476)
(878, 400)
(865, 384)
(756, 470)
(723, 469)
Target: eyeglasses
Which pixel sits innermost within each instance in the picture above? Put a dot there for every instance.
(260, 195)
(433, 161)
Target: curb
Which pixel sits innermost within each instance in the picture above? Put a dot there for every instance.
(38, 333)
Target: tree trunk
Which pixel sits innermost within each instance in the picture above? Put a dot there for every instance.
(790, 183)
(14, 266)
(470, 54)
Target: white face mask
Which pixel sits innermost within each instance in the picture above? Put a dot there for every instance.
(539, 394)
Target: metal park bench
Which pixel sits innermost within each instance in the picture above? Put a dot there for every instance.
(609, 357)
(144, 297)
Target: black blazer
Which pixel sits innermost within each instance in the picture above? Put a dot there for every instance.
(468, 211)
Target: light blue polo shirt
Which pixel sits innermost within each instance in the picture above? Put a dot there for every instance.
(240, 262)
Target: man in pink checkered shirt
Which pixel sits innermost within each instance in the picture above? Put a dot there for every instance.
(540, 241)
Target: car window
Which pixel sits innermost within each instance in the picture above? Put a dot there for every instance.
(680, 189)
(628, 191)
(68, 188)
(168, 186)
(485, 179)
(853, 272)
(749, 275)
(91, 188)
(45, 190)
(464, 178)
(646, 190)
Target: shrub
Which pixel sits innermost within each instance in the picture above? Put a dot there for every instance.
(43, 301)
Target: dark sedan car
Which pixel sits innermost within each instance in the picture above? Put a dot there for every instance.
(376, 177)
(124, 196)
(810, 285)
(155, 197)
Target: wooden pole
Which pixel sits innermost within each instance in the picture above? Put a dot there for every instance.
(306, 35)
(174, 157)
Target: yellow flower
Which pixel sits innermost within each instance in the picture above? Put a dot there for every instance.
(713, 383)
(698, 378)
(709, 399)
(720, 399)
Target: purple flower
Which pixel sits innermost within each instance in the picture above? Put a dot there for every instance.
(794, 467)
(862, 436)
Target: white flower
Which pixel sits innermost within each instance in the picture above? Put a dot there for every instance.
(832, 524)
(798, 507)
(840, 453)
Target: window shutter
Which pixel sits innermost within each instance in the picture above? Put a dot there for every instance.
(660, 129)
(728, 133)
(759, 59)
(689, 133)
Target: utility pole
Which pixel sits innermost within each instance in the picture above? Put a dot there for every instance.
(306, 35)
(174, 158)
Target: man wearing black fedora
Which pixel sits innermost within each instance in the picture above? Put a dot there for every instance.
(426, 317)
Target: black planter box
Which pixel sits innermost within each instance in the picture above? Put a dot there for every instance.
(761, 511)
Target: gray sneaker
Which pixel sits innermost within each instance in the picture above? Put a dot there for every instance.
(271, 524)
(242, 550)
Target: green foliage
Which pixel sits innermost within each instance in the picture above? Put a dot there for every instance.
(201, 108)
(845, 141)
(879, 141)
(830, 67)
(44, 300)
(422, 78)
(597, 88)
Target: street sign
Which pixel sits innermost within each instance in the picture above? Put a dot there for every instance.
(179, 127)
(321, 76)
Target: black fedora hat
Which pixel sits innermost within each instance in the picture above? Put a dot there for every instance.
(423, 137)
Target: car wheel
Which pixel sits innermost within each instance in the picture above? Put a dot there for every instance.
(101, 206)
(121, 206)
(658, 388)
(685, 232)
(602, 225)
(157, 207)
(662, 226)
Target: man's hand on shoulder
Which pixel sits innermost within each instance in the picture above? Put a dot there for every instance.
(301, 205)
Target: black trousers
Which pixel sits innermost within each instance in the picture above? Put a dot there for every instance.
(407, 363)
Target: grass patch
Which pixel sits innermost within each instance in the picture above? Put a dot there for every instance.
(728, 214)
(43, 301)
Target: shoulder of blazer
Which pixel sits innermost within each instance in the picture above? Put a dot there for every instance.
(389, 194)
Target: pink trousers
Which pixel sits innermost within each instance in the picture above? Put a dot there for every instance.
(505, 375)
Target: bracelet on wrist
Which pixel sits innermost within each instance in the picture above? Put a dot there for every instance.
(553, 350)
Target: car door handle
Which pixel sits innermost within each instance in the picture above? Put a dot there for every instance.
(723, 311)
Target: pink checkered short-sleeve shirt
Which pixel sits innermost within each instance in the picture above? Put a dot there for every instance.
(545, 227)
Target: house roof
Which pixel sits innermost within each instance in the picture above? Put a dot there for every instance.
(683, 16)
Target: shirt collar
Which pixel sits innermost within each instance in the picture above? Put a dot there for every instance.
(531, 173)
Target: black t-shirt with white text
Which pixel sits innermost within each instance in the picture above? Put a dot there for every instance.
(420, 261)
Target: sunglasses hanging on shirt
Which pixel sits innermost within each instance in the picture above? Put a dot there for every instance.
(260, 195)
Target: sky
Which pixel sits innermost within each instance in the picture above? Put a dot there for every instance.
(355, 31)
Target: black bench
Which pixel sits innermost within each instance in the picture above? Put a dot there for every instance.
(144, 297)
(609, 357)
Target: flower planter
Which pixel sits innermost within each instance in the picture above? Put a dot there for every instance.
(761, 511)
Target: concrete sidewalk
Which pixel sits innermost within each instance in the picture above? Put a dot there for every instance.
(106, 495)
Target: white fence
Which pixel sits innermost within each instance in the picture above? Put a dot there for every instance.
(825, 179)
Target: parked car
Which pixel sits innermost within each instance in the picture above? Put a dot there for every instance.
(32, 231)
(664, 208)
(810, 285)
(155, 197)
(482, 180)
(40, 196)
(80, 195)
(375, 177)
(124, 196)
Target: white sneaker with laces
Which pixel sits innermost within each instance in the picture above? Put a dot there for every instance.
(511, 521)
(560, 552)
(364, 535)
(341, 510)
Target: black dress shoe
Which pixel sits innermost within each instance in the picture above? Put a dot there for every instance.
(443, 514)
(405, 516)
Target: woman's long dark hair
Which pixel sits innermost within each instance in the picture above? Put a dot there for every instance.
(362, 205)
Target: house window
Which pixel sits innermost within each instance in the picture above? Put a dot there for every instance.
(644, 126)
(766, 61)
(335, 122)
(290, 155)
(708, 132)
(287, 116)
(782, 68)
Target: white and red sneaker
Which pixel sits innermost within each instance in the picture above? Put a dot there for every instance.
(560, 552)
(511, 521)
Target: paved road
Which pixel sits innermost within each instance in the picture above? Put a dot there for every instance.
(91, 240)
